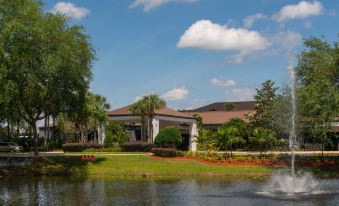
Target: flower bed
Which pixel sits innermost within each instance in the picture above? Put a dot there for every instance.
(87, 158)
(226, 159)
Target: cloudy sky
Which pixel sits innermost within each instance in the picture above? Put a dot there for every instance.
(195, 52)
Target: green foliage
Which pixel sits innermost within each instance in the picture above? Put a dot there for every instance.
(110, 149)
(206, 140)
(263, 139)
(224, 157)
(164, 152)
(146, 107)
(79, 147)
(265, 98)
(116, 134)
(199, 120)
(47, 66)
(318, 92)
(138, 147)
(229, 107)
(228, 137)
(168, 137)
(232, 134)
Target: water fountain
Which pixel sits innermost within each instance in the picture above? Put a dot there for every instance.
(294, 184)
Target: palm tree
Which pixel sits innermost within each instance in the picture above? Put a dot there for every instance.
(146, 109)
(138, 108)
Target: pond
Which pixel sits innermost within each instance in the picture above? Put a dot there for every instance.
(148, 191)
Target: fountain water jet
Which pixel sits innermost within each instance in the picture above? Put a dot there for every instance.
(291, 184)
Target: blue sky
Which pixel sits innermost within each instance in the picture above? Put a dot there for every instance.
(195, 52)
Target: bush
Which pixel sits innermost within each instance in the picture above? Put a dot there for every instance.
(79, 147)
(169, 137)
(115, 135)
(111, 149)
(164, 152)
(137, 147)
(108, 141)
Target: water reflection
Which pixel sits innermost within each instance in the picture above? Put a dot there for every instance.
(192, 191)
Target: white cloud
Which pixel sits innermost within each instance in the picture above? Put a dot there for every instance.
(249, 21)
(70, 10)
(176, 94)
(287, 39)
(153, 4)
(301, 10)
(207, 35)
(223, 83)
(204, 34)
(240, 94)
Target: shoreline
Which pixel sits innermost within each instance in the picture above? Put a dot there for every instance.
(151, 166)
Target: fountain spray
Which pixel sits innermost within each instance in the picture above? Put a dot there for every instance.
(292, 135)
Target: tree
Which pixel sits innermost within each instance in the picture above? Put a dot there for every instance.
(45, 64)
(199, 120)
(282, 112)
(232, 133)
(262, 139)
(317, 74)
(146, 109)
(206, 140)
(96, 108)
(229, 107)
(265, 98)
(168, 137)
(116, 134)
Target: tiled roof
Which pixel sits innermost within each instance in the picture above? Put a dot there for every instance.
(165, 111)
(220, 106)
(220, 117)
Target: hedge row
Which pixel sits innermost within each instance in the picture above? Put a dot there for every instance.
(138, 146)
(164, 152)
(79, 147)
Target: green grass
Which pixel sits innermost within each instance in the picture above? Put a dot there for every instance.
(130, 166)
(98, 153)
(147, 165)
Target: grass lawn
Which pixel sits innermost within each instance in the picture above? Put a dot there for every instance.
(126, 166)
(148, 165)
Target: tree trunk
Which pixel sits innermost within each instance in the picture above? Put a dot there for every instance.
(18, 127)
(150, 128)
(95, 134)
(143, 129)
(35, 135)
(8, 128)
(322, 145)
(48, 130)
(45, 131)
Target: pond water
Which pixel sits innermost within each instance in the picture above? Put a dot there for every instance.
(146, 191)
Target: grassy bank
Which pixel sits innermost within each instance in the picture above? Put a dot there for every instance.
(106, 166)
(150, 166)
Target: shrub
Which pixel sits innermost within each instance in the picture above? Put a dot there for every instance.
(108, 141)
(115, 135)
(168, 137)
(263, 139)
(164, 152)
(206, 140)
(79, 147)
(111, 149)
(181, 153)
(137, 147)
